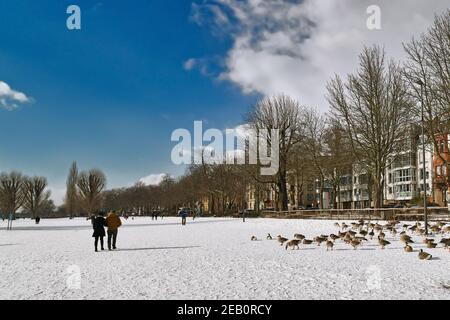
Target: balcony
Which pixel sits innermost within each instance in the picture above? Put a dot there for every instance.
(403, 195)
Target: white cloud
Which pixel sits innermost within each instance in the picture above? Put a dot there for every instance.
(189, 64)
(153, 179)
(296, 47)
(9, 98)
(208, 12)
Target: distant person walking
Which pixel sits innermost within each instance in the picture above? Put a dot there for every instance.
(113, 222)
(98, 224)
(183, 214)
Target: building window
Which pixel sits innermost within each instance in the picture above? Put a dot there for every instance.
(403, 175)
(442, 146)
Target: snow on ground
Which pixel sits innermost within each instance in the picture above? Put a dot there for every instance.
(210, 258)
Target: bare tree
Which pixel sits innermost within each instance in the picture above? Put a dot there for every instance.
(90, 185)
(11, 192)
(71, 200)
(428, 72)
(286, 115)
(315, 147)
(374, 107)
(339, 161)
(35, 195)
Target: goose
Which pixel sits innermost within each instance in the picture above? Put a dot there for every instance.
(342, 234)
(355, 243)
(363, 233)
(371, 234)
(293, 244)
(426, 240)
(406, 239)
(319, 240)
(281, 239)
(337, 225)
(330, 245)
(305, 241)
(383, 242)
(253, 238)
(348, 238)
(445, 242)
(334, 237)
(352, 233)
(269, 237)
(431, 245)
(299, 236)
(408, 248)
(378, 228)
(424, 256)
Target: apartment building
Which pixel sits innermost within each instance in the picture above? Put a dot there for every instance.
(401, 174)
(353, 189)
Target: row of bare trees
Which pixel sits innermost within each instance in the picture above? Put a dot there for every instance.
(26, 193)
(213, 189)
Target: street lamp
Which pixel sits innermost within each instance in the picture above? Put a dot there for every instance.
(421, 84)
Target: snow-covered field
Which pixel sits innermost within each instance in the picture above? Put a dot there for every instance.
(210, 258)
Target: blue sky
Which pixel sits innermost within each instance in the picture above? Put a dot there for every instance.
(109, 95)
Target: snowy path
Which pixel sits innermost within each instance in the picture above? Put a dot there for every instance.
(210, 259)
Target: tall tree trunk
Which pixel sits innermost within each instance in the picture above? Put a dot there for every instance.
(283, 192)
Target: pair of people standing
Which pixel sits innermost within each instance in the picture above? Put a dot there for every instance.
(112, 222)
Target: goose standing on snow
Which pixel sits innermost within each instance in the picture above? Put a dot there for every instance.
(424, 256)
(408, 248)
(383, 243)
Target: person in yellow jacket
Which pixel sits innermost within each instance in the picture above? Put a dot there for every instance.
(113, 222)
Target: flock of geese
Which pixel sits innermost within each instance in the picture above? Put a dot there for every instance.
(356, 233)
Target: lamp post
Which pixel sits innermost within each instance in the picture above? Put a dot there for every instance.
(425, 211)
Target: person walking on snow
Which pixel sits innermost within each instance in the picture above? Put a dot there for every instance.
(113, 222)
(183, 214)
(98, 224)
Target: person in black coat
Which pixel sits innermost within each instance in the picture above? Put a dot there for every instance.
(99, 224)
